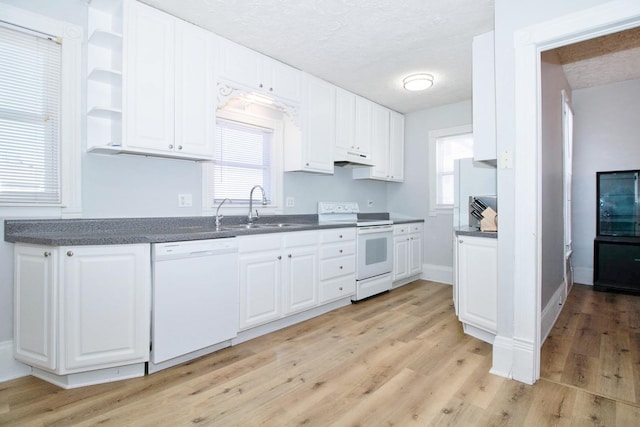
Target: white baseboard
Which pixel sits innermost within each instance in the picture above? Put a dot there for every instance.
(10, 368)
(583, 275)
(502, 356)
(523, 361)
(551, 312)
(437, 273)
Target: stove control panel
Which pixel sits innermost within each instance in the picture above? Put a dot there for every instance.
(328, 208)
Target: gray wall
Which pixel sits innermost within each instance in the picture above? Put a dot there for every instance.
(553, 82)
(606, 137)
(411, 198)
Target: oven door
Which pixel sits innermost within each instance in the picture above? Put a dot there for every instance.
(374, 250)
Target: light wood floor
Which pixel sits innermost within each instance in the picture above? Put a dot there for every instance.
(399, 359)
(595, 345)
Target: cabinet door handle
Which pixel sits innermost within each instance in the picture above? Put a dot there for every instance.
(69, 253)
(47, 254)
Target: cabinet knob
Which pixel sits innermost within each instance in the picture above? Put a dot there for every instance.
(179, 147)
(340, 236)
(170, 146)
(340, 288)
(340, 251)
(289, 255)
(307, 164)
(270, 89)
(460, 241)
(340, 267)
(279, 257)
(47, 254)
(260, 85)
(69, 253)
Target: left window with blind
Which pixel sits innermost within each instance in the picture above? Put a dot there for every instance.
(39, 110)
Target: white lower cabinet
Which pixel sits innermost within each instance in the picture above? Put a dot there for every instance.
(278, 276)
(407, 252)
(81, 308)
(476, 285)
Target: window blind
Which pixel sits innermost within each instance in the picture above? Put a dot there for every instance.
(242, 159)
(30, 74)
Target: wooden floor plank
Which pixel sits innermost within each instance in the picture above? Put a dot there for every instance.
(397, 359)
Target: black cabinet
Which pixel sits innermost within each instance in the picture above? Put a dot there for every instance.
(616, 264)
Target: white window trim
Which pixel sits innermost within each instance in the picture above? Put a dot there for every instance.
(71, 37)
(275, 198)
(434, 208)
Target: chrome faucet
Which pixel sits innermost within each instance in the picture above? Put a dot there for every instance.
(218, 216)
(264, 202)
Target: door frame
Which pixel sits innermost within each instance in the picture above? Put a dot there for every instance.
(607, 18)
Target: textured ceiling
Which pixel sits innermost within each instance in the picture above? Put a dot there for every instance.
(602, 60)
(365, 46)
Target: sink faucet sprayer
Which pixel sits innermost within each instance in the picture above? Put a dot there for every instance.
(264, 202)
(218, 216)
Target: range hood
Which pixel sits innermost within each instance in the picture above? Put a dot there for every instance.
(351, 158)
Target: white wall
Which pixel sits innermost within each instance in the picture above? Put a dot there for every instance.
(552, 197)
(411, 198)
(606, 129)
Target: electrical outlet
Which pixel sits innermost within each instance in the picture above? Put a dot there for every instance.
(291, 202)
(506, 160)
(185, 200)
(369, 203)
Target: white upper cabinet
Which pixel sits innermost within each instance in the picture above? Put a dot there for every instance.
(395, 164)
(313, 152)
(484, 98)
(353, 128)
(195, 101)
(387, 136)
(149, 78)
(158, 96)
(254, 70)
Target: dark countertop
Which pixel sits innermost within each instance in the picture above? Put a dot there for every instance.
(473, 231)
(78, 232)
(405, 220)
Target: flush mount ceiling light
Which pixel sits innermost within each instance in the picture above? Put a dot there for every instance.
(417, 82)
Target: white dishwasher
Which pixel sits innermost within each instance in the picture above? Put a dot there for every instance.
(195, 302)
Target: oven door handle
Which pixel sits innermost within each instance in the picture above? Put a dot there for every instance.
(375, 229)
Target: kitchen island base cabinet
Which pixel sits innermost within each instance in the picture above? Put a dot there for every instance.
(81, 309)
(476, 285)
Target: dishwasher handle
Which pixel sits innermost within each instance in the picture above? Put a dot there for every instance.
(192, 249)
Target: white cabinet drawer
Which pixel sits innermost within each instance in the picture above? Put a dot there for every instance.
(338, 235)
(338, 288)
(399, 229)
(337, 267)
(337, 250)
(415, 227)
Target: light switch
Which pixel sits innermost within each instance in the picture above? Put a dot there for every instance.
(185, 200)
(291, 202)
(506, 160)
